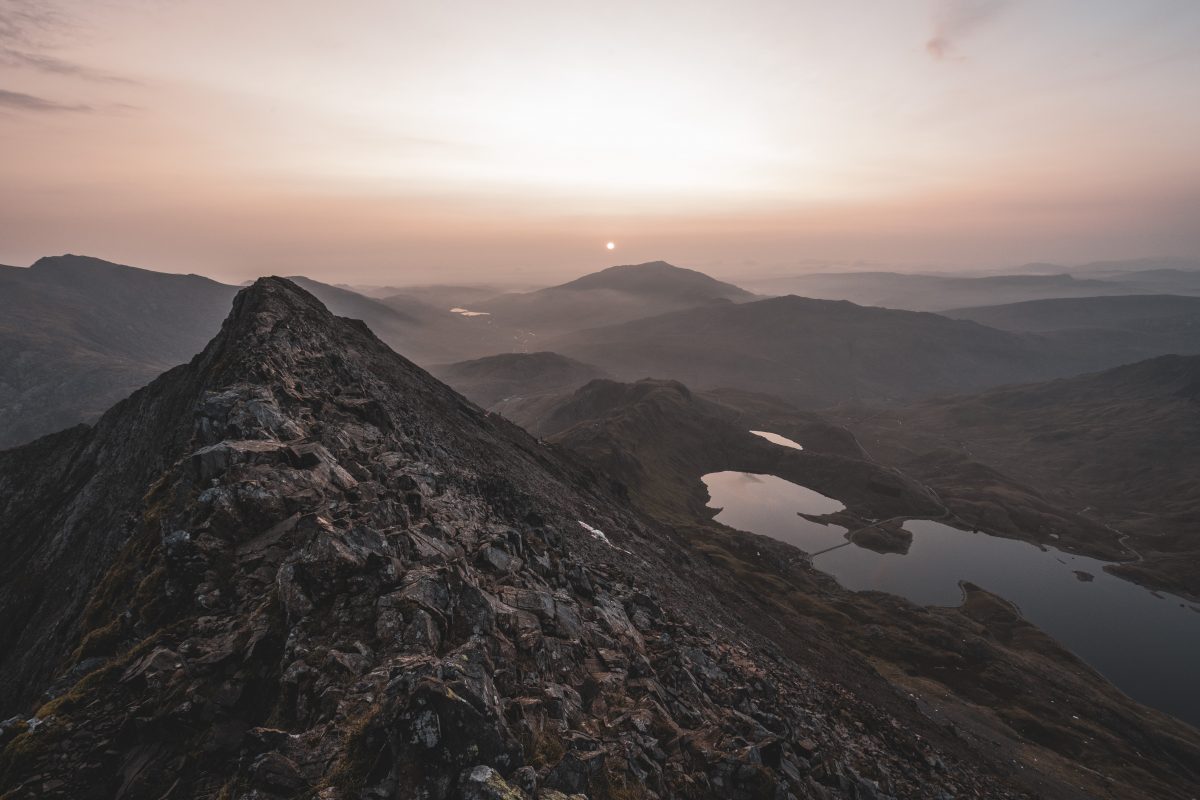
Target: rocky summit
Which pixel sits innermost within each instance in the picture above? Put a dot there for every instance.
(299, 566)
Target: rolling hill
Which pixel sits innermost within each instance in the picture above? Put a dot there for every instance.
(915, 292)
(820, 352)
(1116, 444)
(616, 294)
(1150, 314)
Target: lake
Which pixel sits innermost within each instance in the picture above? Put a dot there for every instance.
(1146, 643)
(775, 438)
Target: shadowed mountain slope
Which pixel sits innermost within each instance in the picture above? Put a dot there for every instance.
(1149, 314)
(1116, 444)
(659, 439)
(495, 381)
(818, 352)
(78, 334)
(300, 566)
(425, 333)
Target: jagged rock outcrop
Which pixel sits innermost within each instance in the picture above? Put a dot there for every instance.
(301, 567)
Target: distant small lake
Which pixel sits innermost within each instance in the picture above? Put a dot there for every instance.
(1146, 643)
(775, 438)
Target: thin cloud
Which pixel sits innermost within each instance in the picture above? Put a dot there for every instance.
(57, 66)
(955, 20)
(27, 22)
(20, 101)
(28, 32)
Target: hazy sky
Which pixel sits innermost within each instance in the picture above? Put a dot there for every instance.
(389, 141)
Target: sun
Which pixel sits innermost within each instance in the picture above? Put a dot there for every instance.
(611, 245)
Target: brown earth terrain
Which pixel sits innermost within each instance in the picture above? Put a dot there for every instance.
(301, 567)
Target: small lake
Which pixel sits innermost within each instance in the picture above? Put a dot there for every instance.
(1146, 643)
(775, 438)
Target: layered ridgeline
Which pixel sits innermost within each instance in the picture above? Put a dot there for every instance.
(1149, 314)
(1116, 445)
(425, 333)
(1130, 327)
(607, 297)
(77, 334)
(300, 566)
(1030, 282)
(658, 439)
(937, 292)
(820, 352)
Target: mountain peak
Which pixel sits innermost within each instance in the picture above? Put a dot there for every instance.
(282, 338)
(75, 264)
(69, 260)
(651, 265)
(328, 553)
(274, 321)
(276, 296)
(72, 269)
(658, 277)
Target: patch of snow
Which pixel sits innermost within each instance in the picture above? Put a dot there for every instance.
(599, 534)
(468, 313)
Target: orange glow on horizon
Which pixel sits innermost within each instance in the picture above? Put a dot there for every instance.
(421, 139)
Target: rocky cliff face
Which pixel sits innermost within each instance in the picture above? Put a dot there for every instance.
(301, 567)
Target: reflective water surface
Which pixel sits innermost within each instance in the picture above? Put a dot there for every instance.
(775, 438)
(1147, 643)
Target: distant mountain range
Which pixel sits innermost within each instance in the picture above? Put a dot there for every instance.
(1135, 313)
(611, 296)
(79, 333)
(934, 292)
(820, 352)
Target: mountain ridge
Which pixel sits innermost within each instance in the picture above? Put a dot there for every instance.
(1108, 442)
(615, 294)
(235, 577)
(810, 351)
(655, 275)
(326, 573)
(1110, 311)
